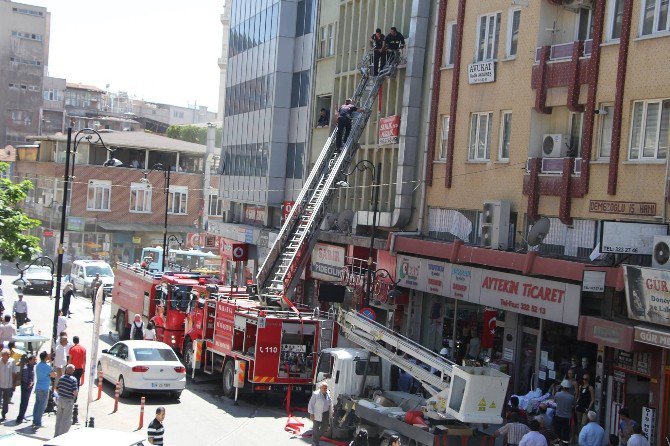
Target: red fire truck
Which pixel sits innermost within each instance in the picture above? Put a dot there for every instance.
(275, 348)
(161, 297)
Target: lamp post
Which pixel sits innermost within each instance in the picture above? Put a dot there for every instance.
(166, 173)
(92, 137)
(362, 166)
(42, 261)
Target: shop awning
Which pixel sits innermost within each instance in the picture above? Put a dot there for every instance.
(143, 227)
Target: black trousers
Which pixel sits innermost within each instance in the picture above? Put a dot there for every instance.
(562, 428)
(25, 396)
(378, 61)
(343, 130)
(20, 319)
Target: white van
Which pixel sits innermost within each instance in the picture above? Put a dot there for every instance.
(83, 272)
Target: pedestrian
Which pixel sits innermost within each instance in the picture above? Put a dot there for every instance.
(533, 437)
(637, 438)
(394, 440)
(62, 322)
(361, 439)
(156, 430)
(67, 389)
(513, 431)
(20, 311)
(474, 346)
(324, 118)
(614, 440)
(42, 385)
(626, 425)
(8, 381)
(585, 400)
(68, 292)
(394, 41)
(344, 115)
(592, 434)
(514, 408)
(565, 402)
(27, 382)
(548, 432)
(378, 54)
(547, 418)
(95, 284)
(61, 354)
(78, 360)
(319, 412)
(7, 330)
(150, 332)
(137, 329)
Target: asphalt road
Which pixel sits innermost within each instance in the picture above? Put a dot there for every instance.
(201, 416)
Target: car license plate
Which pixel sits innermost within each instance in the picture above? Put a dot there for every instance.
(160, 385)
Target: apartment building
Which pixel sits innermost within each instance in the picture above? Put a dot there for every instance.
(53, 117)
(550, 114)
(24, 57)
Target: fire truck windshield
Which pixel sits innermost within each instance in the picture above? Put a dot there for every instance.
(181, 295)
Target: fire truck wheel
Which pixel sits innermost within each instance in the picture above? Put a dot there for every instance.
(188, 356)
(228, 376)
(123, 392)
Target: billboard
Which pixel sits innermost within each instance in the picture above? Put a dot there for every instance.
(389, 130)
(647, 294)
(327, 262)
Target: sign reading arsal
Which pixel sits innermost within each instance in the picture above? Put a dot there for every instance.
(622, 207)
(389, 129)
(481, 72)
(327, 262)
(647, 294)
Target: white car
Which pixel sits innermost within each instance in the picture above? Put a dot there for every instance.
(99, 437)
(146, 366)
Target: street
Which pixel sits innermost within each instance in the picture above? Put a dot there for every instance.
(201, 416)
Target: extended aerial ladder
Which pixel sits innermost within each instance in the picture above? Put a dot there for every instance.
(281, 270)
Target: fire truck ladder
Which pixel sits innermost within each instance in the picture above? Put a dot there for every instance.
(281, 270)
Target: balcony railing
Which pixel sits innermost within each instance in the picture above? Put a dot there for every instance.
(563, 51)
(555, 166)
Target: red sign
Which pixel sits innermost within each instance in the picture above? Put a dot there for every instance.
(489, 328)
(286, 209)
(48, 233)
(240, 252)
(254, 214)
(389, 129)
(192, 240)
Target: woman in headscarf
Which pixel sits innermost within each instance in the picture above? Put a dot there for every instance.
(68, 291)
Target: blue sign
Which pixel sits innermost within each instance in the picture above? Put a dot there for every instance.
(368, 313)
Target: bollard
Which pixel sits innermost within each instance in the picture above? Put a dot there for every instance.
(116, 397)
(142, 401)
(90, 422)
(75, 414)
(99, 385)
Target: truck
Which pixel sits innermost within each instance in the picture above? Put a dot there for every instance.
(253, 347)
(160, 297)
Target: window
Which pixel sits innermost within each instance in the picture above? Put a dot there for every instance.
(655, 17)
(488, 30)
(294, 160)
(140, 197)
(300, 90)
(605, 146)
(215, 204)
(36, 63)
(28, 12)
(449, 45)
(52, 95)
(178, 200)
(513, 22)
(615, 18)
(327, 40)
(584, 24)
(576, 121)
(505, 134)
(442, 153)
(480, 131)
(21, 117)
(649, 130)
(99, 195)
(29, 36)
(177, 114)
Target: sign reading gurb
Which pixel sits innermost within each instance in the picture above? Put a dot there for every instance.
(389, 130)
(327, 262)
(481, 72)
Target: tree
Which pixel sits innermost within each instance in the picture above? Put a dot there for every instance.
(15, 243)
(193, 133)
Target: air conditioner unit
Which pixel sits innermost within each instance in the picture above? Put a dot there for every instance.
(495, 225)
(554, 145)
(660, 255)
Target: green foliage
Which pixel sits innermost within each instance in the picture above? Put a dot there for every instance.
(193, 133)
(15, 243)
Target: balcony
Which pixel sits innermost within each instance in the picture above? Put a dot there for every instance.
(563, 51)
(554, 166)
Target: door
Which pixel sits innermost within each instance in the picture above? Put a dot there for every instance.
(108, 362)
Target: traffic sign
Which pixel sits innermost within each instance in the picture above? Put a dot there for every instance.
(368, 313)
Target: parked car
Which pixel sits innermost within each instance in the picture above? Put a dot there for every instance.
(84, 271)
(35, 279)
(99, 437)
(149, 366)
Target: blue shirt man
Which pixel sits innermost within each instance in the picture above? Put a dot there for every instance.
(592, 434)
(43, 372)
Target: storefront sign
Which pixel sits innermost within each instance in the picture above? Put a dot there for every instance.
(389, 129)
(75, 224)
(622, 207)
(594, 281)
(481, 73)
(264, 238)
(629, 238)
(137, 240)
(460, 282)
(327, 262)
(606, 333)
(649, 424)
(48, 233)
(409, 270)
(647, 294)
(368, 313)
(437, 282)
(653, 337)
(638, 362)
(286, 209)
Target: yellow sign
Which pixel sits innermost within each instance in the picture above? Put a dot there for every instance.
(493, 405)
(137, 240)
(482, 405)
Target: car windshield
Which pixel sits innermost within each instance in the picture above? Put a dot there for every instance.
(154, 354)
(103, 270)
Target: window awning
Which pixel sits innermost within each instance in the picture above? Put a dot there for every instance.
(143, 227)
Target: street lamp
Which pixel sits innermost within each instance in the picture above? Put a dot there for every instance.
(166, 173)
(42, 261)
(362, 166)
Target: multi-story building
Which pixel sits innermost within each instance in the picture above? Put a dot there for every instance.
(53, 119)
(24, 56)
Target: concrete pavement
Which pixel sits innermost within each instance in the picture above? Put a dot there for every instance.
(202, 416)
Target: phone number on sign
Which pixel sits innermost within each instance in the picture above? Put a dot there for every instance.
(620, 249)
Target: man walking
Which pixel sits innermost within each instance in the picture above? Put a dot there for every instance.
(155, 431)
(319, 412)
(78, 360)
(95, 284)
(67, 389)
(27, 382)
(534, 437)
(7, 330)
(7, 380)
(68, 291)
(592, 434)
(42, 385)
(20, 310)
(61, 356)
(626, 425)
(378, 54)
(513, 430)
(565, 401)
(344, 114)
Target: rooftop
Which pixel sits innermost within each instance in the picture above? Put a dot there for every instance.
(83, 87)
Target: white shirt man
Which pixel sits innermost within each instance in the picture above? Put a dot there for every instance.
(534, 437)
(319, 412)
(7, 330)
(61, 354)
(637, 439)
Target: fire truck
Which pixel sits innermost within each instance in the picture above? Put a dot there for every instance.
(161, 297)
(253, 347)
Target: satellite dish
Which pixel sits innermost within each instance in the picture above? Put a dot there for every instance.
(538, 232)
